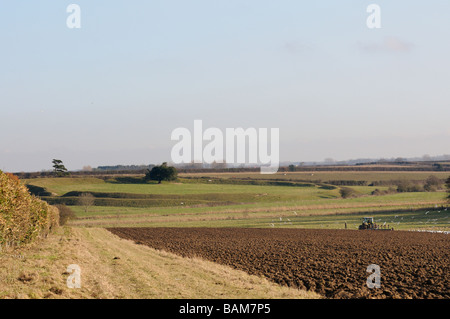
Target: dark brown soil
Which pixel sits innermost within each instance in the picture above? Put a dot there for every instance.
(330, 262)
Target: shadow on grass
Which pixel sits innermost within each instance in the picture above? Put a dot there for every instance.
(37, 190)
(326, 187)
(129, 180)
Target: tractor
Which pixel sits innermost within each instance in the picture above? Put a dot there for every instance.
(368, 223)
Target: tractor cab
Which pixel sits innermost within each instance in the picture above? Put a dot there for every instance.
(367, 223)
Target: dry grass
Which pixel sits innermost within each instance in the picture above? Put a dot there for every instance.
(311, 176)
(117, 268)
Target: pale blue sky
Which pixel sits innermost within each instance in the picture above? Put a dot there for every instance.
(113, 91)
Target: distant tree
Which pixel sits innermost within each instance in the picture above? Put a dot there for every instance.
(447, 184)
(87, 168)
(403, 186)
(58, 168)
(193, 165)
(378, 192)
(432, 183)
(219, 165)
(86, 200)
(409, 186)
(162, 173)
(291, 168)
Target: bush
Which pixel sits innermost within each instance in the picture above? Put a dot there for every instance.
(405, 186)
(447, 185)
(432, 184)
(378, 192)
(65, 213)
(347, 192)
(348, 183)
(23, 217)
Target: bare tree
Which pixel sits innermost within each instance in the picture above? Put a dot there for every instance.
(86, 200)
(87, 168)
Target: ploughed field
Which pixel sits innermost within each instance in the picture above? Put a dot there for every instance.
(330, 262)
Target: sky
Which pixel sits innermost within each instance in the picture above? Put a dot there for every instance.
(112, 91)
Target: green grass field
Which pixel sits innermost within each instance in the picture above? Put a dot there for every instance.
(204, 203)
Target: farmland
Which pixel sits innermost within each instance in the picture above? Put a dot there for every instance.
(294, 229)
(329, 176)
(331, 263)
(209, 202)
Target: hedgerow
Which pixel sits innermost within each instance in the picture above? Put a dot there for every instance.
(23, 217)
